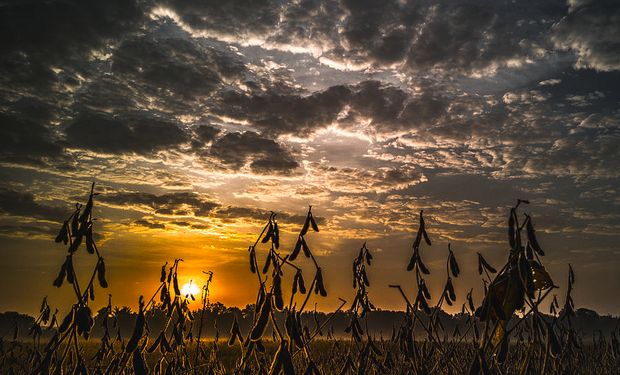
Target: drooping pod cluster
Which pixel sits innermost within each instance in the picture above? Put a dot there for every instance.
(293, 337)
(75, 231)
(361, 303)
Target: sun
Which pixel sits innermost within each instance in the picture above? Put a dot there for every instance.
(190, 288)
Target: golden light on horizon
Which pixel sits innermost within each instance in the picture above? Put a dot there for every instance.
(190, 289)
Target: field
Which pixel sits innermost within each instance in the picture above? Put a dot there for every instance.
(505, 334)
(331, 356)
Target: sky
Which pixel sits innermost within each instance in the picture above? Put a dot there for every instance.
(197, 118)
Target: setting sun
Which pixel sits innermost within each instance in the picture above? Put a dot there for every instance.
(190, 288)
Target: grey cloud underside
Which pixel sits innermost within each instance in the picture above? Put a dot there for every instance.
(27, 231)
(119, 134)
(23, 137)
(34, 36)
(180, 203)
(174, 206)
(264, 155)
(205, 134)
(16, 203)
(174, 64)
(592, 31)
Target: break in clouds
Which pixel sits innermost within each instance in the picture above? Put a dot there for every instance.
(195, 115)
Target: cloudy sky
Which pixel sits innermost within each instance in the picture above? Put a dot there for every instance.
(196, 118)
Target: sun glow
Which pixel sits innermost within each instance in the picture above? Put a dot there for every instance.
(190, 289)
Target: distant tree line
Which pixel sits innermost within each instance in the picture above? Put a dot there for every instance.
(217, 319)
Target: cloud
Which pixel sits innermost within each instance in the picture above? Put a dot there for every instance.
(277, 113)
(206, 133)
(157, 224)
(455, 37)
(149, 224)
(168, 204)
(592, 31)
(129, 133)
(381, 31)
(165, 210)
(358, 180)
(28, 231)
(179, 65)
(471, 37)
(54, 30)
(238, 18)
(108, 95)
(163, 70)
(262, 155)
(586, 153)
(17, 203)
(26, 140)
(37, 36)
(385, 107)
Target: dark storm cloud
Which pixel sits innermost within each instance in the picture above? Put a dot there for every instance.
(265, 156)
(27, 231)
(158, 71)
(388, 107)
(35, 35)
(286, 113)
(109, 95)
(391, 108)
(177, 203)
(17, 203)
(131, 133)
(474, 36)
(19, 74)
(56, 29)
(375, 100)
(206, 133)
(24, 138)
(458, 36)
(592, 31)
(380, 30)
(175, 64)
(173, 73)
(308, 21)
(149, 224)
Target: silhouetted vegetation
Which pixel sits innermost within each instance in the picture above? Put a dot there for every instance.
(504, 333)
